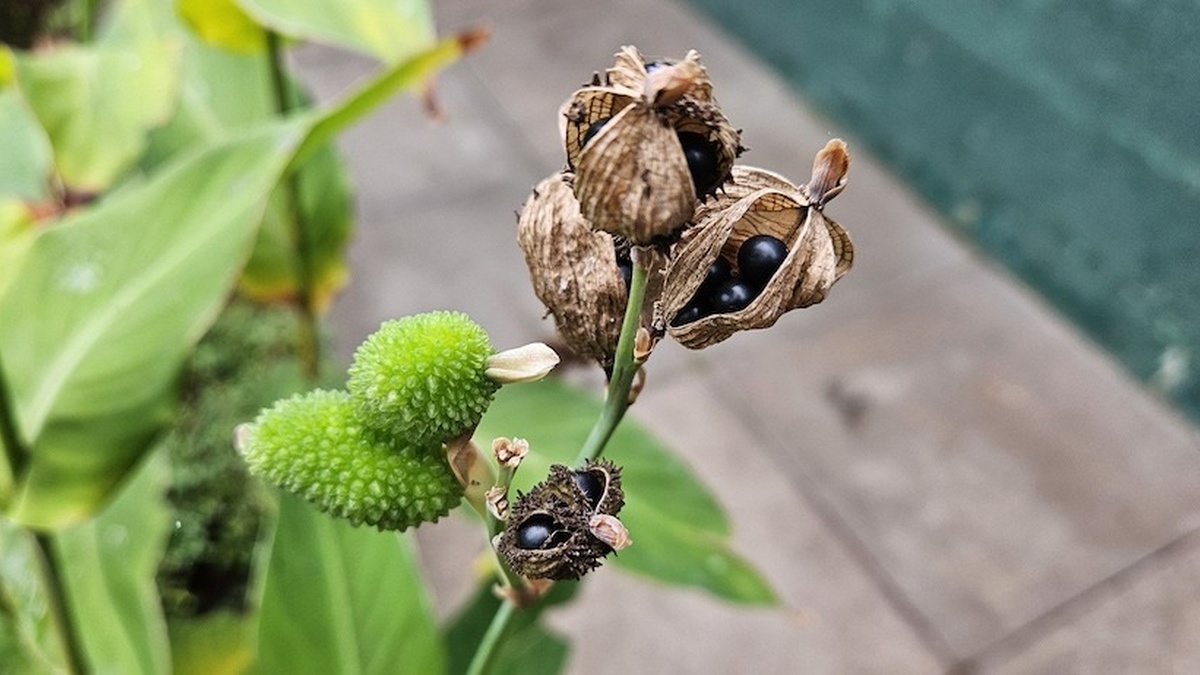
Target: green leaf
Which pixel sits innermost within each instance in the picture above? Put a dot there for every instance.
(28, 641)
(216, 643)
(680, 534)
(341, 599)
(16, 237)
(223, 23)
(25, 153)
(110, 563)
(528, 648)
(97, 102)
(390, 30)
(109, 300)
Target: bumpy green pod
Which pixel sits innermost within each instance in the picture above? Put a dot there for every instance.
(422, 377)
(314, 446)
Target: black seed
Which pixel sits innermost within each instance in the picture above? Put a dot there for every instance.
(592, 131)
(535, 532)
(591, 486)
(733, 295)
(693, 311)
(718, 273)
(759, 257)
(701, 159)
(626, 270)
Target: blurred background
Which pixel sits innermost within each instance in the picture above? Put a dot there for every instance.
(975, 455)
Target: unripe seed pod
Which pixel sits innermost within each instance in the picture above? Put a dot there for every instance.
(422, 378)
(314, 446)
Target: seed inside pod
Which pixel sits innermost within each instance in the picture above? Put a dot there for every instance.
(538, 531)
(593, 129)
(693, 311)
(702, 162)
(718, 273)
(759, 257)
(591, 485)
(732, 296)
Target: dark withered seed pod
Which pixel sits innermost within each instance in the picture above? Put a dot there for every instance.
(548, 533)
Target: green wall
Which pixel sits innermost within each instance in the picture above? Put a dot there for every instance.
(1062, 137)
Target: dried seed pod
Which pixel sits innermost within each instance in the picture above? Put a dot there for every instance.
(575, 270)
(819, 252)
(640, 139)
(548, 534)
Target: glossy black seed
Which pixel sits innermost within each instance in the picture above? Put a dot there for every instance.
(759, 257)
(592, 131)
(536, 531)
(626, 270)
(732, 296)
(701, 159)
(718, 273)
(591, 485)
(692, 311)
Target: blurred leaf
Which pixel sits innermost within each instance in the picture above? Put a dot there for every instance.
(216, 643)
(97, 102)
(680, 535)
(326, 210)
(25, 153)
(341, 599)
(390, 30)
(110, 299)
(28, 641)
(528, 647)
(17, 233)
(224, 24)
(109, 563)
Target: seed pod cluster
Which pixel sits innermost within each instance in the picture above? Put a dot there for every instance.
(549, 533)
(650, 166)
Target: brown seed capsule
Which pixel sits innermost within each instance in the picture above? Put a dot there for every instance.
(758, 202)
(549, 532)
(577, 270)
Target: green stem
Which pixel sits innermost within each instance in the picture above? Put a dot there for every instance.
(309, 347)
(616, 400)
(54, 584)
(615, 404)
(485, 654)
(16, 455)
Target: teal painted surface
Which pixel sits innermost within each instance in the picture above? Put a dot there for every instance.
(1063, 137)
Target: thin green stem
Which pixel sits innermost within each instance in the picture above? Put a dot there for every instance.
(485, 654)
(616, 400)
(56, 594)
(310, 346)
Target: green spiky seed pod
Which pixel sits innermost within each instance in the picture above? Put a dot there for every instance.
(422, 377)
(314, 446)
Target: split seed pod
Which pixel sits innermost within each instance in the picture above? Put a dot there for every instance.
(758, 202)
(647, 142)
(549, 534)
(576, 270)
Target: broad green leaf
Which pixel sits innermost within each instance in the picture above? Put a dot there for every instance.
(107, 304)
(97, 102)
(25, 154)
(224, 24)
(390, 30)
(322, 189)
(528, 647)
(109, 563)
(680, 535)
(17, 233)
(341, 599)
(216, 643)
(109, 300)
(28, 641)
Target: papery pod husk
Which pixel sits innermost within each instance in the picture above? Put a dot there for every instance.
(819, 252)
(574, 270)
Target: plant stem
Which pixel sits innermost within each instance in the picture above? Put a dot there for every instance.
(55, 587)
(616, 400)
(309, 347)
(15, 453)
(615, 404)
(485, 654)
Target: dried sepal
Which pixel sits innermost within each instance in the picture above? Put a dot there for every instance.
(549, 533)
(829, 173)
(819, 252)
